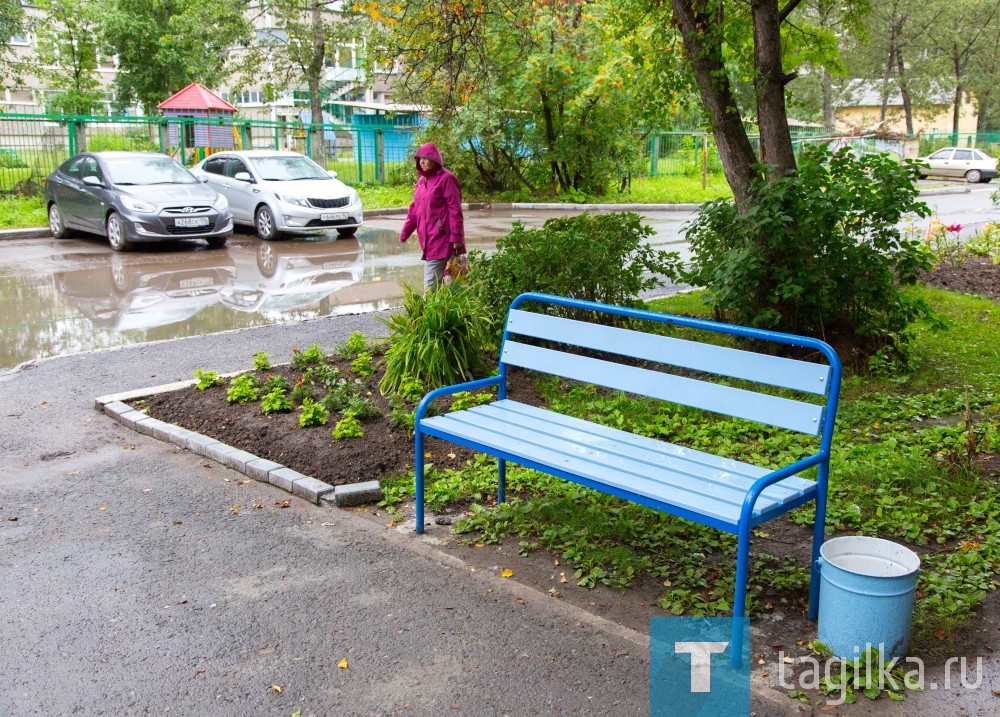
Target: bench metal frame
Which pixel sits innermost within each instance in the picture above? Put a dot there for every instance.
(718, 492)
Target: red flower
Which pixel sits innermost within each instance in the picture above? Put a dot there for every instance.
(953, 228)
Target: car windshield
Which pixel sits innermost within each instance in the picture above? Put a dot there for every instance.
(287, 169)
(147, 170)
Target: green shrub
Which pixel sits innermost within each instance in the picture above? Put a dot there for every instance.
(261, 361)
(132, 141)
(601, 257)
(242, 389)
(206, 379)
(310, 357)
(818, 252)
(313, 414)
(348, 427)
(355, 344)
(275, 401)
(10, 159)
(342, 393)
(274, 382)
(363, 365)
(438, 339)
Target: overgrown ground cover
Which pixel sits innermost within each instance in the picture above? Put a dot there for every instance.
(915, 462)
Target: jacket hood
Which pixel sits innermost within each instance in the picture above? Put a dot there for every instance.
(428, 151)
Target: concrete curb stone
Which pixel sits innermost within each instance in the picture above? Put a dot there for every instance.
(260, 469)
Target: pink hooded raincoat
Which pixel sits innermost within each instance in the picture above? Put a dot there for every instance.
(436, 212)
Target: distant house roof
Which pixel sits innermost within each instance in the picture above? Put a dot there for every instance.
(861, 93)
(384, 106)
(196, 97)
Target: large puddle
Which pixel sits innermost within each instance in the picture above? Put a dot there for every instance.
(64, 297)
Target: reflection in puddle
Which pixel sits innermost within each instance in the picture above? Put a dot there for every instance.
(103, 299)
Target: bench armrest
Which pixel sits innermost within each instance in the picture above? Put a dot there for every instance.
(761, 483)
(437, 393)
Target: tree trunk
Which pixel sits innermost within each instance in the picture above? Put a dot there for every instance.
(776, 149)
(904, 92)
(316, 67)
(701, 34)
(956, 113)
(829, 117)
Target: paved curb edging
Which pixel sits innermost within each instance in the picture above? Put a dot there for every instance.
(259, 469)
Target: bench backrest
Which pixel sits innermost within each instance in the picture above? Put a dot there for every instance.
(728, 363)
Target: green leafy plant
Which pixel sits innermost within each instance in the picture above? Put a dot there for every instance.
(986, 242)
(411, 389)
(261, 361)
(401, 416)
(272, 382)
(362, 365)
(312, 414)
(206, 379)
(242, 389)
(353, 345)
(438, 338)
(467, 399)
(348, 427)
(342, 393)
(602, 257)
(302, 391)
(819, 253)
(313, 355)
(868, 674)
(275, 401)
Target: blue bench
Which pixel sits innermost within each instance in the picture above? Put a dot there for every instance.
(715, 491)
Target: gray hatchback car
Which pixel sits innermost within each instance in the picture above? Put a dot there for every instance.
(280, 193)
(134, 197)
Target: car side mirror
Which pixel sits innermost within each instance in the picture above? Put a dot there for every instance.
(332, 173)
(92, 181)
(202, 178)
(243, 177)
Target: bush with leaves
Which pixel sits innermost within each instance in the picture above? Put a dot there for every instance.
(818, 253)
(598, 257)
(438, 339)
(242, 389)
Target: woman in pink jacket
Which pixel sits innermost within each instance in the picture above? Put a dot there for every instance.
(436, 214)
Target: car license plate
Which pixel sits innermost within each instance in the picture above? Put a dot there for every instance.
(332, 216)
(191, 222)
(196, 282)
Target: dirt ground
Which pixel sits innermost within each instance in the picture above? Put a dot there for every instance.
(385, 451)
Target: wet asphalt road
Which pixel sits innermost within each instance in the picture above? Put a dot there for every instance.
(132, 585)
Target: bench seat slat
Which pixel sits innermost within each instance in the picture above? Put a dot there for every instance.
(706, 466)
(668, 486)
(726, 400)
(719, 360)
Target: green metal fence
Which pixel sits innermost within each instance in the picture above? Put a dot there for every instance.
(32, 146)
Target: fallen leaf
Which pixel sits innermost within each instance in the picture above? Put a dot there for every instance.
(265, 651)
(73, 473)
(235, 510)
(480, 545)
(554, 593)
(788, 660)
(287, 503)
(507, 573)
(760, 661)
(763, 674)
(182, 602)
(102, 508)
(199, 672)
(178, 522)
(12, 518)
(276, 688)
(343, 663)
(563, 579)
(520, 601)
(451, 455)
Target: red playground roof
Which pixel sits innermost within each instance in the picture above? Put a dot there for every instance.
(196, 97)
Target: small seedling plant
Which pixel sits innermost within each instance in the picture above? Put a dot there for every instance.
(242, 389)
(206, 379)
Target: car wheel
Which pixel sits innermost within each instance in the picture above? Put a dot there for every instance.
(265, 224)
(56, 224)
(119, 274)
(973, 176)
(217, 242)
(347, 232)
(116, 233)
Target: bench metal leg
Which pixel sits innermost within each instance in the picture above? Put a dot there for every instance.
(501, 480)
(418, 470)
(740, 600)
(819, 535)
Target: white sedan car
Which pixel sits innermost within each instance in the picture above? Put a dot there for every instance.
(280, 193)
(973, 164)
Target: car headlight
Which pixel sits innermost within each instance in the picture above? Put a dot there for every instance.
(137, 205)
(297, 201)
(221, 203)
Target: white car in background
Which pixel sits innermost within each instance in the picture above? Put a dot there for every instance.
(280, 193)
(955, 162)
